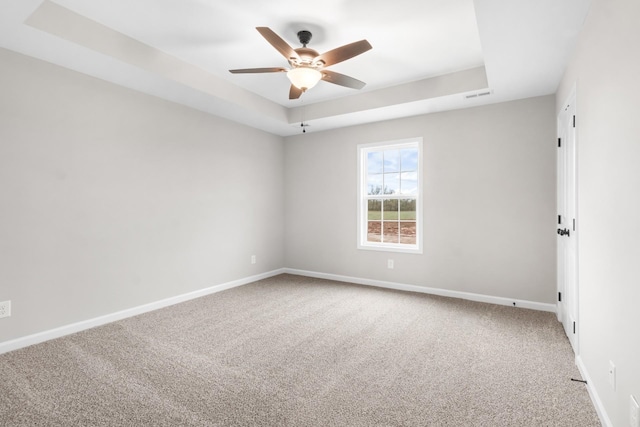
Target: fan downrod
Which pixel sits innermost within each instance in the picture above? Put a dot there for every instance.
(305, 37)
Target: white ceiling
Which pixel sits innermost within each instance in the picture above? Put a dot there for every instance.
(427, 54)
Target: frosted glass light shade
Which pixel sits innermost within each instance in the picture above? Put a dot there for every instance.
(304, 78)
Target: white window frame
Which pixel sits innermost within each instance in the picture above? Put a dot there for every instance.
(363, 150)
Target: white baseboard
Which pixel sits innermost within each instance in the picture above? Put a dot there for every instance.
(425, 290)
(597, 403)
(134, 311)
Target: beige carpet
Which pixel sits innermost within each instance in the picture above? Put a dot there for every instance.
(294, 351)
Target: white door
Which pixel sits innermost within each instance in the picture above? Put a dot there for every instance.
(567, 223)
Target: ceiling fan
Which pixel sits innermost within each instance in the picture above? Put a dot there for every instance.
(307, 66)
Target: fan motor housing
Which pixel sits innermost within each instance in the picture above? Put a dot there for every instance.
(307, 55)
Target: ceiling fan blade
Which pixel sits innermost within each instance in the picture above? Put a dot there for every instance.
(343, 53)
(277, 42)
(294, 92)
(258, 70)
(342, 80)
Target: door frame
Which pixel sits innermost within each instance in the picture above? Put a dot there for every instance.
(567, 249)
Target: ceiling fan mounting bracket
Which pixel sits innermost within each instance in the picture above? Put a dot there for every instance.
(305, 37)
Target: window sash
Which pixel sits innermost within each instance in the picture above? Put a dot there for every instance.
(395, 222)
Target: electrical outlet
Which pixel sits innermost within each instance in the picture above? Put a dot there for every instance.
(5, 308)
(612, 375)
(634, 413)
(253, 259)
(390, 264)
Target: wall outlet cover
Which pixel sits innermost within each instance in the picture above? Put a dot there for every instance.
(612, 375)
(5, 308)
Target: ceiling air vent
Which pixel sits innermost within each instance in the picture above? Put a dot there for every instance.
(478, 94)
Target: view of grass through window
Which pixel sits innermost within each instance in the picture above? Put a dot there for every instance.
(392, 189)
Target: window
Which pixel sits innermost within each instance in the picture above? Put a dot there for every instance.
(390, 196)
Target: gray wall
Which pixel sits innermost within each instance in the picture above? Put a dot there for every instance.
(489, 201)
(605, 68)
(110, 199)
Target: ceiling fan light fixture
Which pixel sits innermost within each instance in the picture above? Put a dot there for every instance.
(307, 66)
(304, 78)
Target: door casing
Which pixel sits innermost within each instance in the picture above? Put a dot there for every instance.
(567, 224)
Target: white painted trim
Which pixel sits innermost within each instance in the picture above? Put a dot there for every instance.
(597, 403)
(130, 312)
(134, 311)
(426, 290)
(363, 149)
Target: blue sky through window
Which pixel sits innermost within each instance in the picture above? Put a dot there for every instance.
(392, 171)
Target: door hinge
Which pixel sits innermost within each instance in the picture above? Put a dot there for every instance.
(574, 327)
(559, 296)
(574, 121)
(559, 142)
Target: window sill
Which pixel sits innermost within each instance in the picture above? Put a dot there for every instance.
(391, 248)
